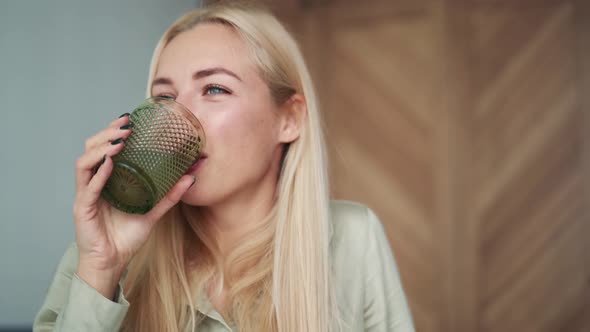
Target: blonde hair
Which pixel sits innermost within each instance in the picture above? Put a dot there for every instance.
(280, 279)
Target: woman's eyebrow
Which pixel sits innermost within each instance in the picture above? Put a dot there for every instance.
(212, 71)
(198, 75)
(162, 81)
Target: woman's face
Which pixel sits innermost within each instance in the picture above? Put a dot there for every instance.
(207, 69)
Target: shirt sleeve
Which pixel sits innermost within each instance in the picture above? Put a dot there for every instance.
(73, 305)
(385, 308)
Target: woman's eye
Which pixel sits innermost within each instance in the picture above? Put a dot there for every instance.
(166, 96)
(214, 90)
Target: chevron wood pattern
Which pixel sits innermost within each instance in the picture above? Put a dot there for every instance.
(382, 139)
(526, 149)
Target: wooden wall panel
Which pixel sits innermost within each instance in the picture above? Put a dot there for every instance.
(462, 125)
(526, 166)
(578, 319)
(382, 88)
(458, 235)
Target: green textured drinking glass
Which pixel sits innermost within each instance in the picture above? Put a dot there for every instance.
(166, 141)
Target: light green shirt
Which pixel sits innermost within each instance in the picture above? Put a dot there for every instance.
(368, 286)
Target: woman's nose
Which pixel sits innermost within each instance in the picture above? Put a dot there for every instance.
(186, 102)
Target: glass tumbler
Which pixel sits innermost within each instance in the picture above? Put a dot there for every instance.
(167, 139)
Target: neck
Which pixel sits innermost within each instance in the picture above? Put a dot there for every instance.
(233, 218)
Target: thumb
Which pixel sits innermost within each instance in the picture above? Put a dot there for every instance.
(171, 198)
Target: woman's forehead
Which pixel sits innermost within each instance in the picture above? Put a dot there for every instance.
(204, 46)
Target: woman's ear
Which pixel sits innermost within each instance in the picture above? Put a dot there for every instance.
(293, 114)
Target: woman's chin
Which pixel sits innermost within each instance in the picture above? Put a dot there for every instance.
(191, 198)
(195, 197)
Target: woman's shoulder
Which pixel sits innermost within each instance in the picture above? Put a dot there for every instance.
(353, 225)
(347, 209)
(368, 285)
(357, 238)
(350, 220)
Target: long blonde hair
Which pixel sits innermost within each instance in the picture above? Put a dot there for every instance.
(280, 279)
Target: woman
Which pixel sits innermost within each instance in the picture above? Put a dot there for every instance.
(255, 245)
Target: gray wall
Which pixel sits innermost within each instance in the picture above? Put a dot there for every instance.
(67, 68)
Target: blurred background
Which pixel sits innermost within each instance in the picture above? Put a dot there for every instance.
(464, 124)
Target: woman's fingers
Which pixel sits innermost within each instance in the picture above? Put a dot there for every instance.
(90, 195)
(87, 163)
(121, 127)
(173, 196)
(99, 179)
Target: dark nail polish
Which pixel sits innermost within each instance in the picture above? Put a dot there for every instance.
(95, 169)
(124, 114)
(127, 126)
(117, 141)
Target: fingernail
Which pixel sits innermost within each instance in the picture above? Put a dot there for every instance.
(117, 141)
(127, 126)
(124, 114)
(194, 180)
(95, 169)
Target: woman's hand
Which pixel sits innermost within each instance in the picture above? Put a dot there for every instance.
(107, 238)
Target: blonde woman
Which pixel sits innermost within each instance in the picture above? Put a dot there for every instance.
(256, 244)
